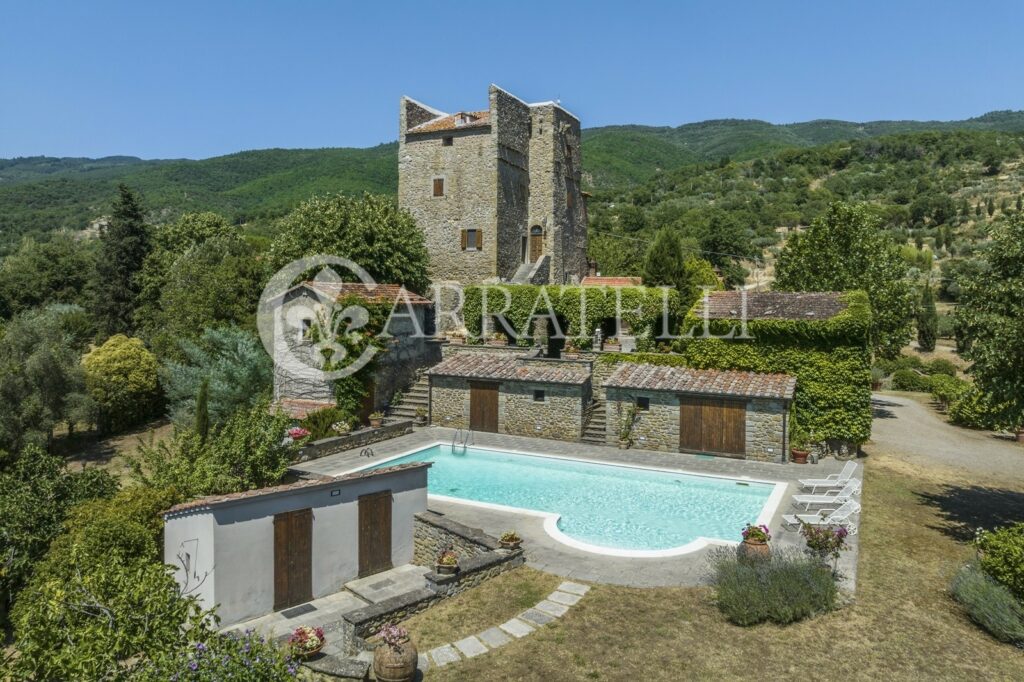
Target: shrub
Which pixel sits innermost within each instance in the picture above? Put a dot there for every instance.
(910, 380)
(975, 410)
(222, 657)
(946, 390)
(1002, 556)
(989, 604)
(941, 366)
(946, 328)
(788, 587)
(321, 423)
(121, 377)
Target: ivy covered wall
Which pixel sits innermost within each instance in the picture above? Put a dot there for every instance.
(830, 359)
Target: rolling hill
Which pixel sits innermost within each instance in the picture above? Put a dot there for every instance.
(41, 194)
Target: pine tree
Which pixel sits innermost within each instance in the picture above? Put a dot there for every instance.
(202, 410)
(124, 244)
(927, 321)
(977, 210)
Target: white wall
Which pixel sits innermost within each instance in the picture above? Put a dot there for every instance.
(240, 537)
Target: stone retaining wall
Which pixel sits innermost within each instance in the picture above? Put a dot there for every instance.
(356, 439)
(433, 533)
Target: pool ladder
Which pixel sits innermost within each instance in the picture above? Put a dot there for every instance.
(463, 438)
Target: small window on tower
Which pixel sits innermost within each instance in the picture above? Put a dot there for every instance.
(643, 404)
(447, 141)
(538, 396)
(438, 187)
(471, 240)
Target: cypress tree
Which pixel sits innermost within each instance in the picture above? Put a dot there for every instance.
(1020, 201)
(665, 262)
(124, 244)
(927, 321)
(202, 425)
(990, 206)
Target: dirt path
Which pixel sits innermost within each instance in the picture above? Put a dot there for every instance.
(903, 426)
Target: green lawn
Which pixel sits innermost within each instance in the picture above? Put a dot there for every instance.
(902, 624)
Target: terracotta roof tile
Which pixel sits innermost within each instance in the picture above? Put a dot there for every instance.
(325, 481)
(592, 281)
(379, 293)
(298, 408)
(702, 381)
(783, 305)
(473, 119)
(471, 365)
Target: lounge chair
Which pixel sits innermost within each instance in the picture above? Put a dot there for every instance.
(833, 481)
(831, 497)
(825, 517)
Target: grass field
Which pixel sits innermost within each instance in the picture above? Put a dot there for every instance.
(902, 624)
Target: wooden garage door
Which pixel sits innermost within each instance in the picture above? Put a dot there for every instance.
(293, 558)
(374, 533)
(713, 425)
(483, 407)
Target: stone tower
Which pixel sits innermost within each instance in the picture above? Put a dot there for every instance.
(496, 191)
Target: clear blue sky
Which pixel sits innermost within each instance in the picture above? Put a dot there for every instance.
(198, 79)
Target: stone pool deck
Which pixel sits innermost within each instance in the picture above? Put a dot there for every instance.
(547, 554)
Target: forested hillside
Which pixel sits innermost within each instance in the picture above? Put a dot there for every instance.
(42, 194)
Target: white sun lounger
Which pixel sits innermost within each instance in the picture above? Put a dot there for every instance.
(831, 497)
(825, 517)
(833, 481)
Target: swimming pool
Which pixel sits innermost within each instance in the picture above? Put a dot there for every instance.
(605, 508)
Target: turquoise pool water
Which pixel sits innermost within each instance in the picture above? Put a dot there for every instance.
(600, 504)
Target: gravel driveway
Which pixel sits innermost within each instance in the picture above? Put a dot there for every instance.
(905, 427)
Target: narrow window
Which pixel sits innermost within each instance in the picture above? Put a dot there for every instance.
(643, 404)
(538, 396)
(307, 324)
(438, 187)
(471, 240)
(447, 141)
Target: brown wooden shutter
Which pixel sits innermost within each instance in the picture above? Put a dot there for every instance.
(438, 187)
(463, 232)
(479, 240)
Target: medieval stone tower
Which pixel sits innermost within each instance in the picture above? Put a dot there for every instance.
(496, 191)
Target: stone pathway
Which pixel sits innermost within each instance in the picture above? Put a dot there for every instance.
(555, 606)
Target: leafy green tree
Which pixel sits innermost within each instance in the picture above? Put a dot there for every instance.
(124, 244)
(370, 231)
(35, 495)
(844, 250)
(249, 451)
(40, 272)
(41, 379)
(233, 362)
(990, 317)
(100, 603)
(927, 321)
(121, 377)
(202, 410)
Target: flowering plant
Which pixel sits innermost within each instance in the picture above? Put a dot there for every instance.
(448, 558)
(298, 433)
(510, 536)
(307, 638)
(393, 636)
(757, 533)
(825, 541)
(341, 427)
(220, 657)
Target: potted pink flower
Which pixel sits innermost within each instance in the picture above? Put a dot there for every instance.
(395, 657)
(447, 562)
(297, 433)
(307, 641)
(755, 542)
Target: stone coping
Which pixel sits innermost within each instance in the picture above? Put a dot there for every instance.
(391, 428)
(471, 565)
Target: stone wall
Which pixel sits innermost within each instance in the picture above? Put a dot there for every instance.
(449, 402)
(658, 427)
(434, 533)
(356, 439)
(765, 429)
(559, 416)
(510, 128)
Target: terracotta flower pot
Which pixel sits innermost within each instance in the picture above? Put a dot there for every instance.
(510, 545)
(376, 423)
(445, 569)
(306, 655)
(395, 664)
(754, 549)
(799, 456)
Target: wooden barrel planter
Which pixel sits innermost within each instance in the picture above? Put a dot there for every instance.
(395, 663)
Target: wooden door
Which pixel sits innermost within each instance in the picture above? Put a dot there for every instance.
(713, 425)
(374, 533)
(690, 424)
(483, 407)
(293, 558)
(536, 244)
